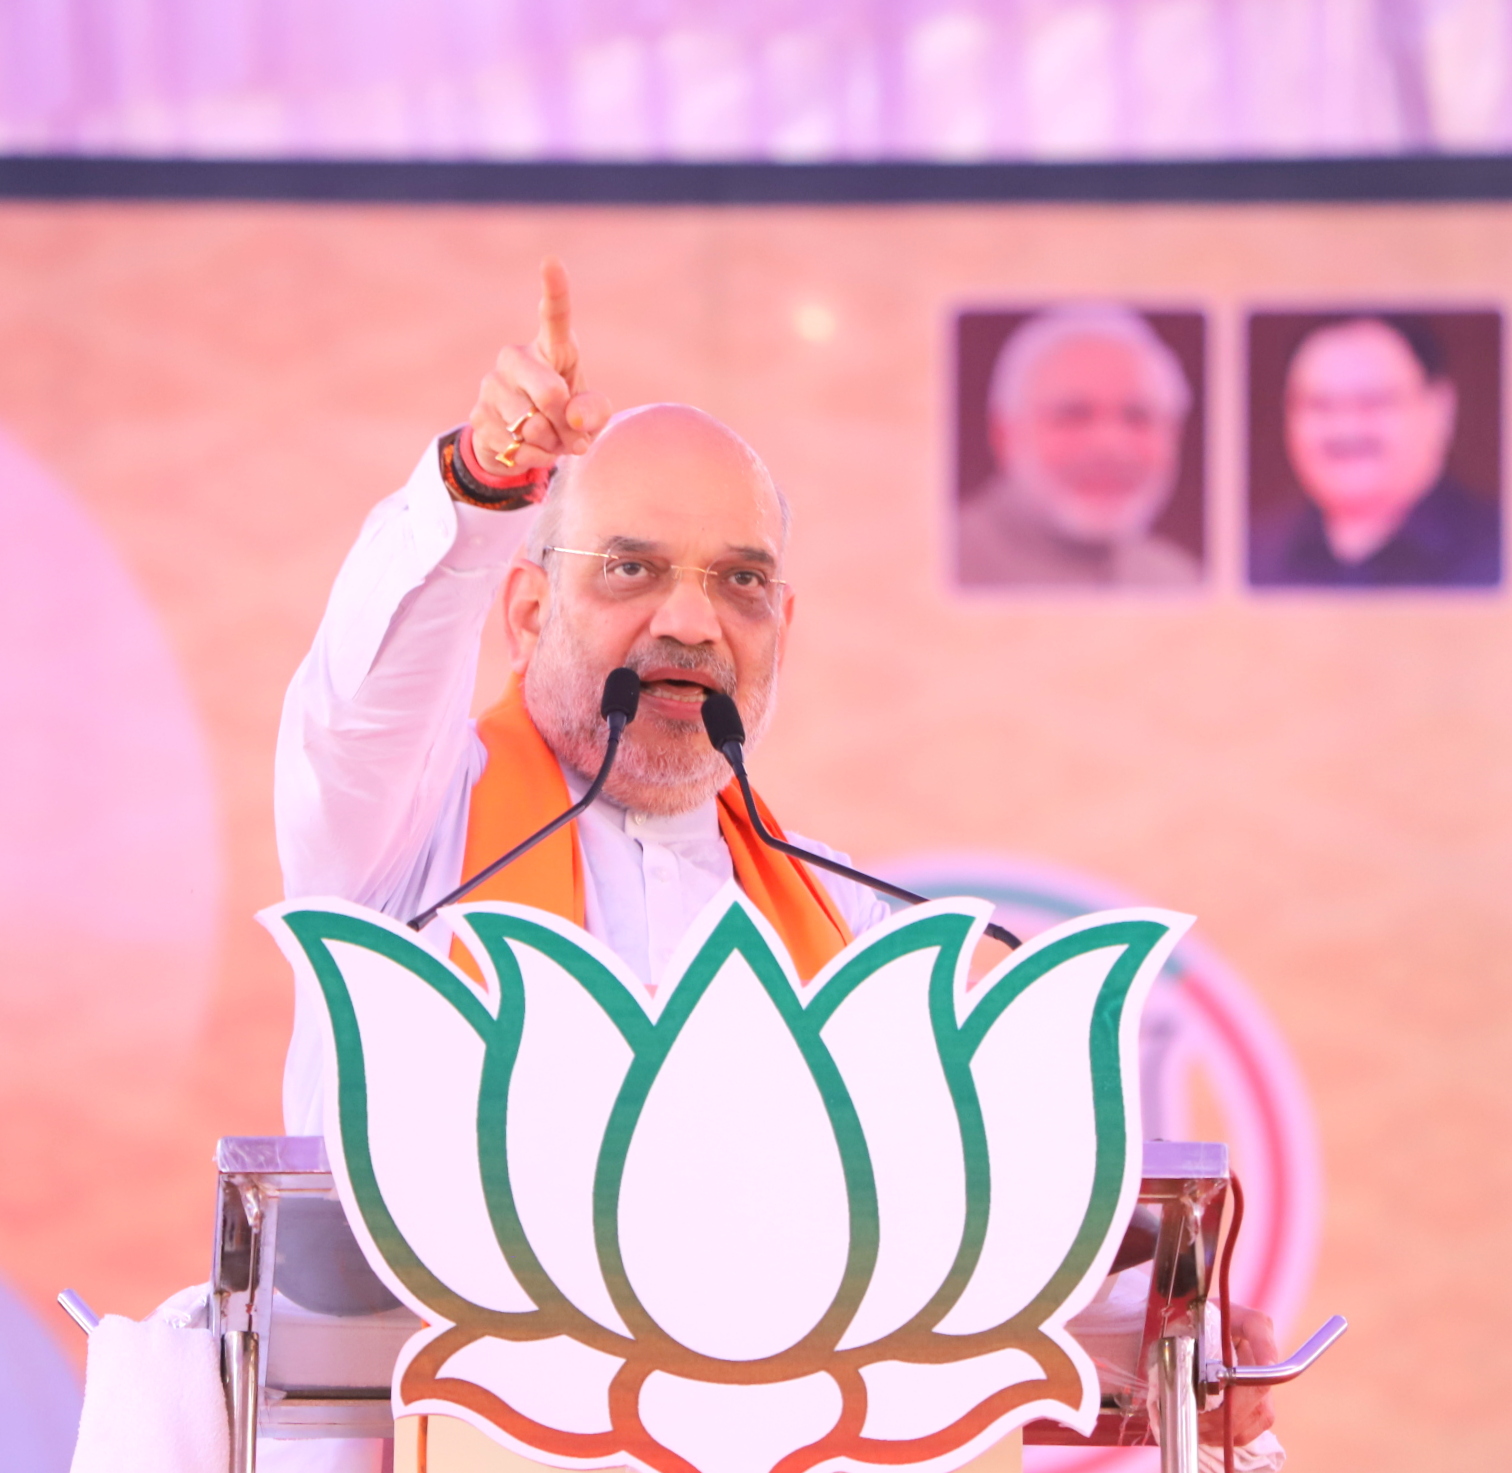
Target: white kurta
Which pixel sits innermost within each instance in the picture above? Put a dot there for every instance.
(377, 758)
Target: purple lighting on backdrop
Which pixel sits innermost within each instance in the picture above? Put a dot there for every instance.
(756, 79)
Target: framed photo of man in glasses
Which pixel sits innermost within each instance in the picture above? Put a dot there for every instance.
(1375, 449)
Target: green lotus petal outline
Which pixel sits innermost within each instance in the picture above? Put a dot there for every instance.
(315, 930)
(1105, 1066)
(958, 1044)
(650, 1040)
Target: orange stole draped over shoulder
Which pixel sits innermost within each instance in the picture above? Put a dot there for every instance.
(522, 788)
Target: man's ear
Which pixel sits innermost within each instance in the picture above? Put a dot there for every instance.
(785, 618)
(527, 589)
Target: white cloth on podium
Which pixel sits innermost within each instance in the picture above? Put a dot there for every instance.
(377, 759)
(153, 1401)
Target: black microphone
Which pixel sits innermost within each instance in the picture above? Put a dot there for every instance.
(721, 720)
(617, 706)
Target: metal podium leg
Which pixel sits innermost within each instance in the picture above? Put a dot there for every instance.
(240, 1350)
(1176, 1386)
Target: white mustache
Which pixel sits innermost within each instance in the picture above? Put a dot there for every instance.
(669, 654)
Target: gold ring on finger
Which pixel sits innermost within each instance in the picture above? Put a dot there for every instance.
(520, 424)
(510, 451)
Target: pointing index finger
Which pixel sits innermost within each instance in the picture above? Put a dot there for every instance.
(555, 336)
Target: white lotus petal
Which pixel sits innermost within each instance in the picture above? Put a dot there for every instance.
(1033, 1075)
(734, 1222)
(905, 1400)
(558, 1382)
(880, 1037)
(571, 1064)
(423, 1065)
(737, 1429)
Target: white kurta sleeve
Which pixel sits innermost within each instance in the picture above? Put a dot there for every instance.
(376, 755)
(375, 745)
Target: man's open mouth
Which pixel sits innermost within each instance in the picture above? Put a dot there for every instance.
(676, 690)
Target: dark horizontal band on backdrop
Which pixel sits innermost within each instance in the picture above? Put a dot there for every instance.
(576, 182)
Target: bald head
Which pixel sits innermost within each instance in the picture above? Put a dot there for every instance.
(670, 461)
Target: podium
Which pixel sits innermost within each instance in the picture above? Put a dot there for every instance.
(1185, 1192)
(309, 1334)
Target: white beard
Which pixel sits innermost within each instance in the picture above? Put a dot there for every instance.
(664, 767)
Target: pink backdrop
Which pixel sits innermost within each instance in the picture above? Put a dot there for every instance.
(200, 402)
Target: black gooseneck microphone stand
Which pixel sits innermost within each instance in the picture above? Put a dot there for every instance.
(617, 707)
(727, 734)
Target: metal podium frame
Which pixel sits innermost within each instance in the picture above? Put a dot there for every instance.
(1185, 1191)
(1188, 1187)
(259, 1179)
(1186, 1183)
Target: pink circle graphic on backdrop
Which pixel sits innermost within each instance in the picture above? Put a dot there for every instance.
(110, 890)
(110, 861)
(1203, 1030)
(110, 893)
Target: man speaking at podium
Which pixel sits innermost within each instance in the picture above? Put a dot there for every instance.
(659, 546)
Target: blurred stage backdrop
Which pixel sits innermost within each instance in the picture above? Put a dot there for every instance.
(200, 399)
(199, 403)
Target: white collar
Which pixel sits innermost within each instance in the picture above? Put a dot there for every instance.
(694, 824)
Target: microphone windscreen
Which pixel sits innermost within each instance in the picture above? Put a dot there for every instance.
(721, 719)
(621, 694)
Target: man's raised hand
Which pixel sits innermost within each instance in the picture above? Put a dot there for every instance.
(543, 379)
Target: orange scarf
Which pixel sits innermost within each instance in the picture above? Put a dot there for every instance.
(522, 788)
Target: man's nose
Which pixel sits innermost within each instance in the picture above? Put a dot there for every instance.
(686, 614)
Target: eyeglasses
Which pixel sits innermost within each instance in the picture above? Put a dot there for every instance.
(739, 587)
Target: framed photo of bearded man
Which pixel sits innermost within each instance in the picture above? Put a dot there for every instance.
(1080, 448)
(1375, 448)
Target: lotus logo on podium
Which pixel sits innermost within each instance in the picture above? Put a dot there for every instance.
(747, 1224)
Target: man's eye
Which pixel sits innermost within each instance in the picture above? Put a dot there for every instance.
(749, 578)
(629, 570)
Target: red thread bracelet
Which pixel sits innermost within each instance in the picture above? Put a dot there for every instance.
(495, 493)
(495, 482)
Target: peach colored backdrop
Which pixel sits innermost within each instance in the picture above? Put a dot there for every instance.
(1324, 781)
